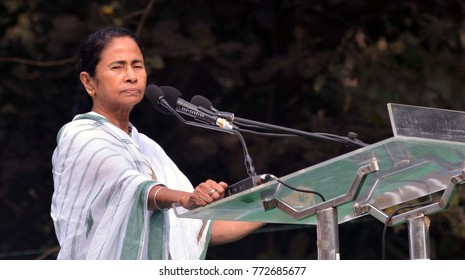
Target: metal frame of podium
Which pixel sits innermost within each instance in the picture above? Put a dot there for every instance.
(403, 179)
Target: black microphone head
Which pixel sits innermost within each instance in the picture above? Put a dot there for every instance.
(171, 95)
(154, 94)
(199, 100)
(203, 102)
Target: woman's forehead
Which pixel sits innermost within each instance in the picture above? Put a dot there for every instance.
(122, 47)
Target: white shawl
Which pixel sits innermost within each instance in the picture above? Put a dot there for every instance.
(102, 178)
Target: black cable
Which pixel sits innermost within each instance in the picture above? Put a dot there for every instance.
(247, 158)
(293, 188)
(383, 239)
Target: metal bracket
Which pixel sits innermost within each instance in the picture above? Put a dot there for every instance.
(434, 207)
(275, 202)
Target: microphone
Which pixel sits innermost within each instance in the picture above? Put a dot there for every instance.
(203, 102)
(155, 95)
(173, 97)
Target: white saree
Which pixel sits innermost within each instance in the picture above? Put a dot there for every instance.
(102, 178)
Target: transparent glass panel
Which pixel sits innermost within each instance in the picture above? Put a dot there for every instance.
(431, 123)
(409, 169)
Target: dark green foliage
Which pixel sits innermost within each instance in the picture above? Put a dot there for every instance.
(324, 66)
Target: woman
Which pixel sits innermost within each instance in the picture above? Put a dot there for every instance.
(113, 185)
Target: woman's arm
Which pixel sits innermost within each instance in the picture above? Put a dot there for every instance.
(161, 197)
(205, 193)
(230, 231)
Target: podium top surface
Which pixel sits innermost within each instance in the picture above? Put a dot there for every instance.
(410, 167)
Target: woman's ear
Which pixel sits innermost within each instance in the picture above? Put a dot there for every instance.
(87, 82)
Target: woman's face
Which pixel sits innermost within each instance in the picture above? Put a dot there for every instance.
(120, 78)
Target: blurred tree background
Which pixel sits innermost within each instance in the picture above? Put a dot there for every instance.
(324, 66)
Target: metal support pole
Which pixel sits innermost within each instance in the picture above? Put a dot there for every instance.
(418, 232)
(327, 234)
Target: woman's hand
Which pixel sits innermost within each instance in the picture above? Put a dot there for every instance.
(204, 194)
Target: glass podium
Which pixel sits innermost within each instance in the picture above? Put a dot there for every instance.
(402, 179)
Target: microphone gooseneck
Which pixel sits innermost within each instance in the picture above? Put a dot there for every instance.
(172, 95)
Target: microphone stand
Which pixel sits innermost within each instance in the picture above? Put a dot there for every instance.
(247, 183)
(350, 141)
